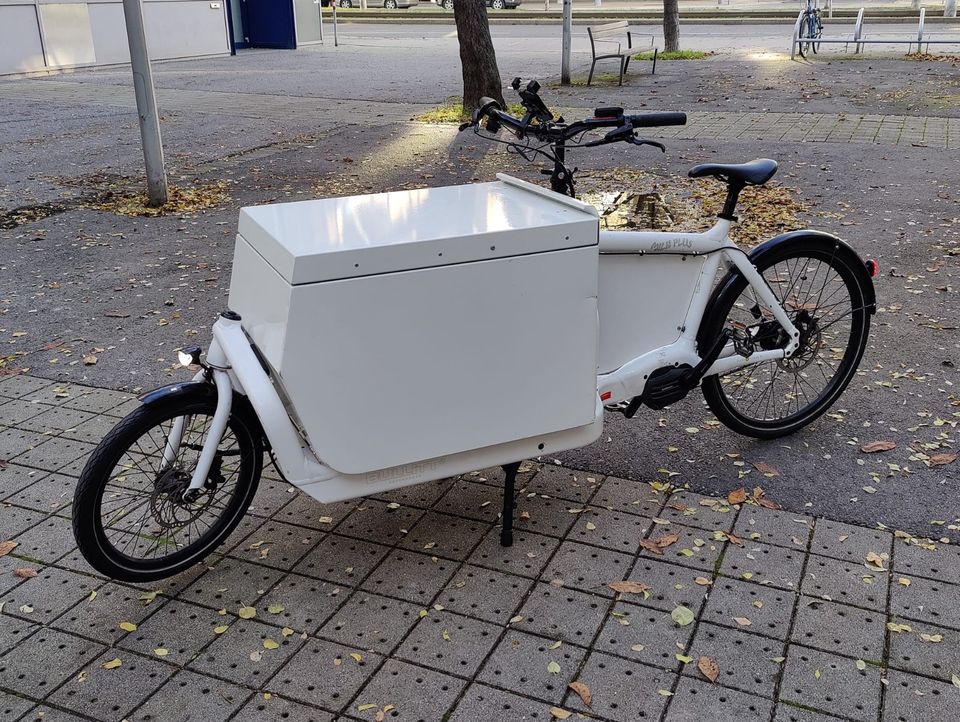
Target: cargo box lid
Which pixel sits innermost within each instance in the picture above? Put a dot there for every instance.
(337, 238)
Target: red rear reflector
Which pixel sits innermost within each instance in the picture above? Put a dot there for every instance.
(873, 268)
(605, 395)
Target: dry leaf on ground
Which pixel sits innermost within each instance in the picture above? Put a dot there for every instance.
(875, 446)
(941, 459)
(708, 668)
(6, 547)
(25, 572)
(629, 587)
(737, 496)
(583, 690)
(765, 469)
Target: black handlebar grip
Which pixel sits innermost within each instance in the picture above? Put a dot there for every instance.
(652, 120)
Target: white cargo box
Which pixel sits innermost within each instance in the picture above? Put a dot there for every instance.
(412, 325)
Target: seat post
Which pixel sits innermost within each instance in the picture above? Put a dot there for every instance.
(730, 204)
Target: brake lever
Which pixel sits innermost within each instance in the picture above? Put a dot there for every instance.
(644, 141)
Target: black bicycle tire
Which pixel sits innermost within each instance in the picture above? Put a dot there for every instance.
(87, 523)
(860, 330)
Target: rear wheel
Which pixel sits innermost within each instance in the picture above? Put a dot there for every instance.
(497, 4)
(131, 517)
(390, 4)
(448, 4)
(821, 292)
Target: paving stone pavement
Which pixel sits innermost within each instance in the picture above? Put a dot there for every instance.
(909, 130)
(404, 607)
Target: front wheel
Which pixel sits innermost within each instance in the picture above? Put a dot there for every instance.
(821, 290)
(498, 4)
(448, 4)
(131, 519)
(390, 4)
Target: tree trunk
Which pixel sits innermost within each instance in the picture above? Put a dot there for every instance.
(671, 26)
(481, 77)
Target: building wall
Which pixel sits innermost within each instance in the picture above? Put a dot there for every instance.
(47, 34)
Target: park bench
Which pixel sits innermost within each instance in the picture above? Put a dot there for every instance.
(610, 35)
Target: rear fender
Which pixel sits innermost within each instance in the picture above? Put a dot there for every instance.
(801, 239)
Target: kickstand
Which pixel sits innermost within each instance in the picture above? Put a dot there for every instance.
(510, 474)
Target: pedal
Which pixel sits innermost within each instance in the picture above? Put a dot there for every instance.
(618, 407)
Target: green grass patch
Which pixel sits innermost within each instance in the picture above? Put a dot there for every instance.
(675, 55)
(452, 112)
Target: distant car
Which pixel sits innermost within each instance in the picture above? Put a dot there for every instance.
(495, 4)
(386, 4)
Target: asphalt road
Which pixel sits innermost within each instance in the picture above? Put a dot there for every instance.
(139, 288)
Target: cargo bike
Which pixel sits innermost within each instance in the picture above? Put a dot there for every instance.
(378, 341)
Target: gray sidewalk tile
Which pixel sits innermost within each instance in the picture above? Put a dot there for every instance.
(764, 564)
(13, 478)
(670, 585)
(276, 545)
(824, 681)
(247, 526)
(14, 412)
(449, 643)
(47, 595)
(693, 697)
(304, 510)
(622, 690)
(341, 559)
(48, 540)
(484, 593)
(21, 385)
(746, 661)
(15, 442)
(414, 693)
(631, 497)
(845, 582)
(187, 697)
(54, 419)
(553, 517)
(238, 654)
(422, 495)
(92, 431)
(59, 393)
(472, 500)
(112, 693)
(936, 656)
(414, 577)
(610, 529)
(373, 521)
(587, 568)
(685, 507)
(44, 661)
(564, 614)
(556, 481)
(277, 709)
(927, 600)
(324, 674)
(645, 635)
(695, 548)
(231, 584)
(790, 713)
(13, 631)
(444, 535)
(768, 610)
(56, 454)
(307, 603)
(13, 707)
(52, 493)
(838, 628)
(941, 563)
(16, 520)
(181, 629)
(99, 401)
(99, 618)
(271, 497)
(520, 662)
(910, 698)
(527, 557)
(849, 543)
(486, 703)
(771, 526)
(368, 621)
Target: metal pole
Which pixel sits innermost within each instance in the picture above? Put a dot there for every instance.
(565, 52)
(363, 4)
(320, 10)
(950, 8)
(146, 104)
(333, 4)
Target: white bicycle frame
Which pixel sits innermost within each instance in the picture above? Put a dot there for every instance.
(236, 368)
